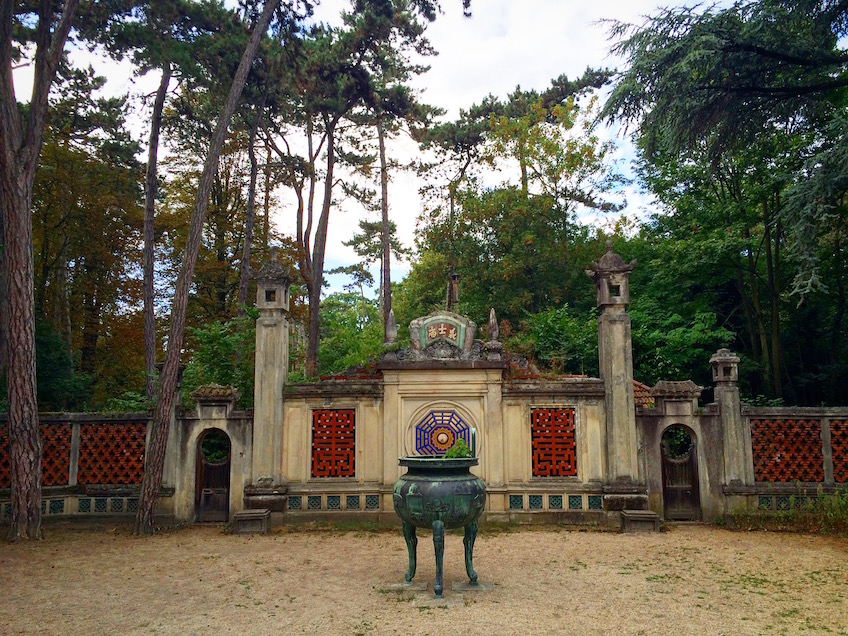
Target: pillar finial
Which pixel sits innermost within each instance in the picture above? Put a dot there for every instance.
(612, 278)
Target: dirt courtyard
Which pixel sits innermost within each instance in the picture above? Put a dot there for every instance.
(692, 579)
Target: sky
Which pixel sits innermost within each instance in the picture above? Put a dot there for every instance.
(503, 45)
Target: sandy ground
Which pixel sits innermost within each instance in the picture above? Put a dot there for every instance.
(198, 580)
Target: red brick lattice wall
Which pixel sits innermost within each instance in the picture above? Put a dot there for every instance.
(334, 443)
(839, 448)
(111, 454)
(787, 450)
(55, 455)
(553, 444)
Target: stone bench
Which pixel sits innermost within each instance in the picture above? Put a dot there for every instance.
(252, 521)
(640, 521)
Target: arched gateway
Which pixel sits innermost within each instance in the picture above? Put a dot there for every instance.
(212, 497)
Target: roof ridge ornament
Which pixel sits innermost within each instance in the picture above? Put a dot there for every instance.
(273, 271)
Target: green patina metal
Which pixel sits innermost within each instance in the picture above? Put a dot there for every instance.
(439, 493)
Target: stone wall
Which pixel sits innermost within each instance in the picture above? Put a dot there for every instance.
(540, 442)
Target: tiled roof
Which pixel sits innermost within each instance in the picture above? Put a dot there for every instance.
(642, 395)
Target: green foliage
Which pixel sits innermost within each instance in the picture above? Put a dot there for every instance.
(368, 243)
(825, 513)
(676, 441)
(722, 75)
(459, 450)
(60, 384)
(222, 353)
(61, 387)
(352, 332)
(761, 400)
(668, 346)
(517, 247)
(766, 75)
(215, 446)
(560, 339)
(127, 402)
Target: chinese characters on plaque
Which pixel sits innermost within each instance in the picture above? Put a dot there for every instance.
(442, 330)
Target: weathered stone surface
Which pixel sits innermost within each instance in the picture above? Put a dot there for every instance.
(625, 502)
(640, 521)
(273, 498)
(216, 393)
(676, 389)
(252, 521)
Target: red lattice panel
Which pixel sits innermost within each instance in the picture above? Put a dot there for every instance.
(839, 449)
(333, 443)
(111, 454)
(787, 450)
(5, 461)
(552, 438)
(55, 455)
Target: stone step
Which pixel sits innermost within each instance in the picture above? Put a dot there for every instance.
(640, 521)
(252, 521)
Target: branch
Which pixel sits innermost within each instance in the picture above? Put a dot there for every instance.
(46, 63)
(781, 90)
(781, 56)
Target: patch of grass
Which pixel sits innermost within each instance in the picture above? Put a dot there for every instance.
(661, 578)
(362, 527)
(494, 528)
(363, 627)
(398, 596)
(823, 514)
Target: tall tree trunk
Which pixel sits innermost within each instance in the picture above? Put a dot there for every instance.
(90, 329)
(317, 269)
(837, 334)
(20, 146)
(266, 218)
(43, 281)
(63, 313)
(150, 187)
(244, 270)
(24, 438)
(522, 163)
(4, 297)
(385, 274)
(757, 311)
(772, 255)
(154, 463)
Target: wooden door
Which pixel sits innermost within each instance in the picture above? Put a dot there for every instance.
(681, 497)
(213, 478)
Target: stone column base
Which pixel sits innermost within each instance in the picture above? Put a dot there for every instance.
(625, 496)
(274, 498)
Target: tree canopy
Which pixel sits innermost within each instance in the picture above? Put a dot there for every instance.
(721, 80)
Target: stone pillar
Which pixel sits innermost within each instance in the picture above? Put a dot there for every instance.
(392, 435)
(735, 431)
(267, 489)
(624, 479)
